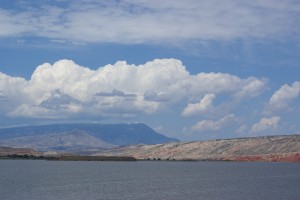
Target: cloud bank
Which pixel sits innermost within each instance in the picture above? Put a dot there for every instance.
(66, 89)
(132, 21)
(203, 102)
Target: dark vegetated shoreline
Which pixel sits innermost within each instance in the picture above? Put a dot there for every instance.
(68, 158)
(127, 158)
(92, 158)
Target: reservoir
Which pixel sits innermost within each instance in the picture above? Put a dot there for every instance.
(145, 180)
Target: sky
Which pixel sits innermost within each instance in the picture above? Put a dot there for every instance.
(193, 70)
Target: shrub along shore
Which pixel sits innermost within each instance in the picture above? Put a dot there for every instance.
(68, 158)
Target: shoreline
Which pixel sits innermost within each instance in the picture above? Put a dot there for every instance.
(68, 158)
(130, 158)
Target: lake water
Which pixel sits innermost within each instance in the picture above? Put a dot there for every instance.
(75, 180)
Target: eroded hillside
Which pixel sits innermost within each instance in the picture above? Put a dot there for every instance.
(269, 148)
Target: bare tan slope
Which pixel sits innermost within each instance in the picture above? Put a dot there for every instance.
(269, 148)
(5, 151)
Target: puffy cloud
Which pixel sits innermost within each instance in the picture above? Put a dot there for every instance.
(219, 83)
(210, 125)
(204, 105)
(150, 21)
(282, 98)
(12, 93)
(67, 89)
(64, 75)
(254, 88)
(266, 124)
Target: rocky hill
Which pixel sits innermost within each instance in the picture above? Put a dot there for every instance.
(73, 141)
(269, 148)
(5, 151)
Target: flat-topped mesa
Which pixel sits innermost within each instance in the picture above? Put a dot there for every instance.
(78, 138)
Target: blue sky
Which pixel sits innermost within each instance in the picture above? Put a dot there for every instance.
(189, 69)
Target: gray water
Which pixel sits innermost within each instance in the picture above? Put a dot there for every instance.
(68, 180)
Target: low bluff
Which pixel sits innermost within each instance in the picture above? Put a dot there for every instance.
(284, 148)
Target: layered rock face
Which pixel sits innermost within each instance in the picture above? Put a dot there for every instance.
(268, 148)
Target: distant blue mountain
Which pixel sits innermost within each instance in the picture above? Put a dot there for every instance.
(116, 134)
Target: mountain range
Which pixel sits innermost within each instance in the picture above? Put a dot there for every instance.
(80, 137)
(141, 142)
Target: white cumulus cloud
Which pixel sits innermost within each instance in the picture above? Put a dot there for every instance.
(11, 91)
(65, 89)
(282, 98)
(211, 125)
(253, 89)
(204, 105)
(266, 124)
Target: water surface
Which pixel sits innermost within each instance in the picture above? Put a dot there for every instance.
(79, 180)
